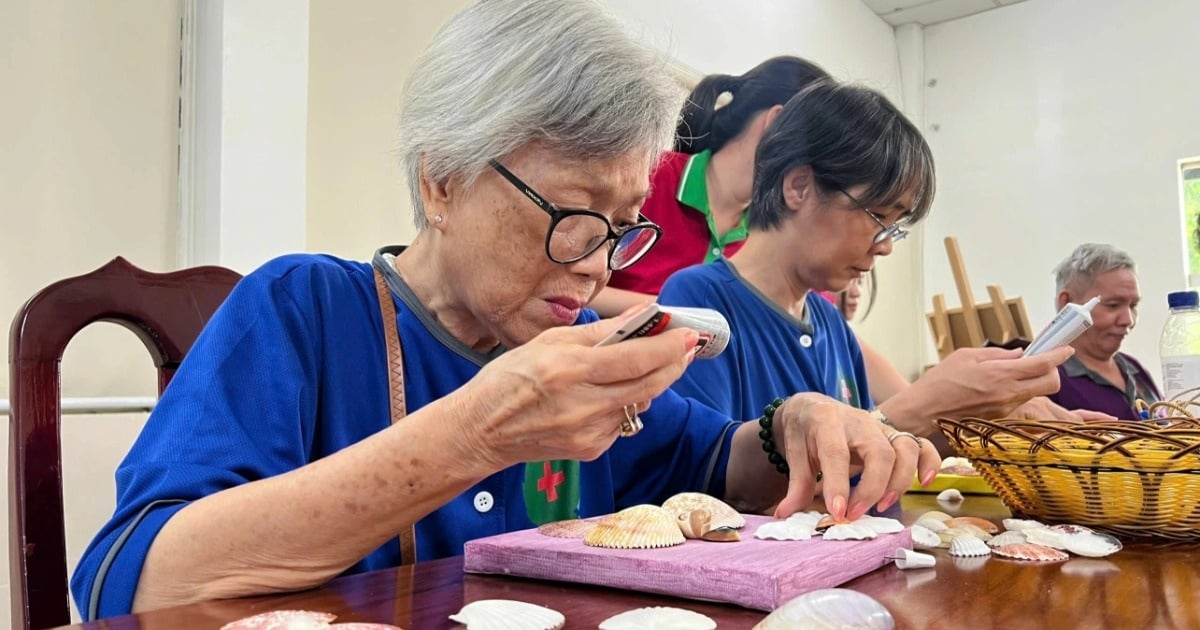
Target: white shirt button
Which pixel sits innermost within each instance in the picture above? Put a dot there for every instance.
(805, 341)
(484, 502)
(716, 251)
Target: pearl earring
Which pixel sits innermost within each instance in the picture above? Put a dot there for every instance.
(437, 219)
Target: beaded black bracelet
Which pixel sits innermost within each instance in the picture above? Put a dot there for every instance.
(768, 445)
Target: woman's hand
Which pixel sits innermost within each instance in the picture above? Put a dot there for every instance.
(1042, 408)
(817, 433)
(560, 397)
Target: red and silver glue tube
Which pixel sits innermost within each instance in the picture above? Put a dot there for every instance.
(655, 318)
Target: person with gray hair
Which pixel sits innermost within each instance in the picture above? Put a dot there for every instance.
(337, 417)
(1099, 376)
(840, 176)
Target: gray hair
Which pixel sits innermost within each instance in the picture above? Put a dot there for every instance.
(1078, 271)
(504, 73)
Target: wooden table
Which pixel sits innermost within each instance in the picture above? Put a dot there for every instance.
(1143, 586)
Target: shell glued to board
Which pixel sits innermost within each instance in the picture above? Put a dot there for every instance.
(507, 614)
(658, 618)
(570, 528)
(637, 527)
(721, 513)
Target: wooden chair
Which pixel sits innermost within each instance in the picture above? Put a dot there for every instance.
(166, 311)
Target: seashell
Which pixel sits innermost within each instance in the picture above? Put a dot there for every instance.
(278, 619)
(880, 524)
(1011, 537)
(828, 521)
(785, 530)
(698, 524)
(1045, 537)
(955, 461)
(829, 608)
(1020, 524)
(935, 515)
(932, 525)
(924, 538)
(507, 614)
(965, 529)
(637, 527)
(961, 471)
(1070, 529)
(950, 495)
(850, 531)
(723, 515)
(1091, 544)
(909, 559)
(1085, 567)
(658, 618)
(1031, 552)
(968, 547)
(807, 518)
(570, 528)
(981, 523)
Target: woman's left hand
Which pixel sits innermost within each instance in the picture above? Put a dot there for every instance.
(819, 434)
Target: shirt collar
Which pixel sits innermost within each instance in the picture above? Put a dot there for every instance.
(693, 193)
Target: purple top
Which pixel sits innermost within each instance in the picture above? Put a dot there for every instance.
(1084, 389)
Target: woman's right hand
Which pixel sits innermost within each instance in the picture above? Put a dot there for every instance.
(987, 382)
(561, 397)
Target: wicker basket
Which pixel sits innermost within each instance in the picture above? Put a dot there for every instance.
(1132, 479)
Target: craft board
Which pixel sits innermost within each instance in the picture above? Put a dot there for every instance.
(758, 574)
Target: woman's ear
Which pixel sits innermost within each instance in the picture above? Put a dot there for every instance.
(797, 186)
(770, 115)
(435, 197)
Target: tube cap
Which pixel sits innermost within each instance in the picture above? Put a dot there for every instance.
(1183, 299)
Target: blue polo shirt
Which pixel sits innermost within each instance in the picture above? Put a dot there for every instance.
(293, 367)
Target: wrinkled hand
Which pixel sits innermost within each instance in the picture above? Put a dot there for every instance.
(988, 382)
(1042, 408)
(820, 434)
(560, 397)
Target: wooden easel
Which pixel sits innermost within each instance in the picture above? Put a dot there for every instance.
(972, 325)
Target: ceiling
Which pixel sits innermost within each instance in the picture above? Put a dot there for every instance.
(927, 12)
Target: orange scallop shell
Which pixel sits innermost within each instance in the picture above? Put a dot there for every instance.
(638, 527)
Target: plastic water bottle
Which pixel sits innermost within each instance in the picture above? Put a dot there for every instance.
(1179, 346)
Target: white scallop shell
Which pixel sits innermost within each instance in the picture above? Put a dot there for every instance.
(850, 531)
(932, 525)
(1010, 537)
(968, 547)
(507, 614)
(806, 518)
(950, 495)
(1020, 524)
(935, 515)
(964, 530)
(924, 538)
(1045, 537)
(1091, 544)
(829, 608)
(881, 525)
(658, 618)
(785, 530)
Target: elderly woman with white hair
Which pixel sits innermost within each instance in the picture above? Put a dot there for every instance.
(1099, 376)
(338, 417)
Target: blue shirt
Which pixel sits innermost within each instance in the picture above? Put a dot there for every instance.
(771, 354)
(292, 368)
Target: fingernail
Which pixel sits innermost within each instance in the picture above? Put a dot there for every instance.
(690, 340)
(857, 510)
(887, 501)
(691, 356)
(837, 507)
(927, 478)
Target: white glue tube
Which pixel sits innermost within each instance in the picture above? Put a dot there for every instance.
(654, 319)
(1068, 324)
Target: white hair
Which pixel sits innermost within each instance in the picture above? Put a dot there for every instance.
(504, 73)
(1078, 271)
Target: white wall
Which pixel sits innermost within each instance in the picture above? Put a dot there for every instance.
(1060, 121)
(849, 41)
(87, 172)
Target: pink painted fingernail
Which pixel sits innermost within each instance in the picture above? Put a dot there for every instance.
(857, 510)
(887, 501)
(927, 478)
(690, 340)
(691, 356)
(837, 507)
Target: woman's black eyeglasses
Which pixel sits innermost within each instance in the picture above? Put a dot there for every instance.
(574, 234)
(895, 231)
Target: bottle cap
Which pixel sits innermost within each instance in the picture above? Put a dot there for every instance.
(1183, 299)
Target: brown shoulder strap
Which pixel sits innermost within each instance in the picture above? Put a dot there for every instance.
(395, 357)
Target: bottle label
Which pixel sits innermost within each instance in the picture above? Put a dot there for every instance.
(1179, 375)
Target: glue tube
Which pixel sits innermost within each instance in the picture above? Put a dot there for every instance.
(1068, 324)
(655, 318)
